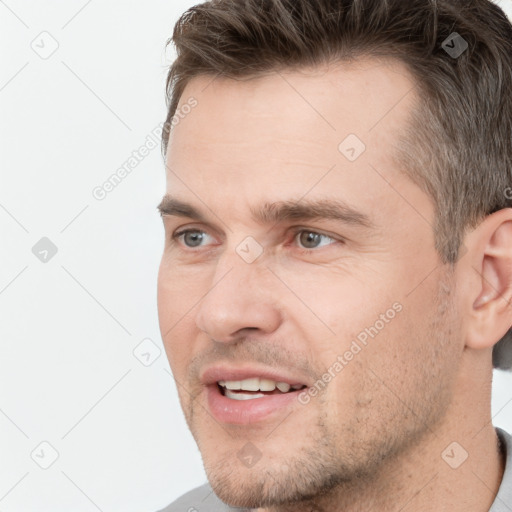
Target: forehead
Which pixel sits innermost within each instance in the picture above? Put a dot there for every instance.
(287, 129)
(354, 95)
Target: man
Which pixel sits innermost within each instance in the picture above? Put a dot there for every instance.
(338, 260)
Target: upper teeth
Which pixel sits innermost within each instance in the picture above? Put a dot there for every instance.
(257, 384)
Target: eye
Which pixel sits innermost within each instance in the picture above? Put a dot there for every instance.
(192, 237)
(312, 239)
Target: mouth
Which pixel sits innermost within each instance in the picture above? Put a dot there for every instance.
(255, 388)
(245, 397)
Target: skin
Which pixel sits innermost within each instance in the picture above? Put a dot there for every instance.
(373, 439)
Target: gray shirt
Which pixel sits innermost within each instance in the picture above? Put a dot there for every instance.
(203, 499)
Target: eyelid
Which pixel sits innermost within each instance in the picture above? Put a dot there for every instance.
(332, 236)
(196, 227)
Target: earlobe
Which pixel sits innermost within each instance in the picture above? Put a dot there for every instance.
(491, 312)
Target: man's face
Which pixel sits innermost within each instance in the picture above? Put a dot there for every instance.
(348, 300)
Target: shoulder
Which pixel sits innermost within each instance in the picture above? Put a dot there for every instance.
(504, 437)
(200, 499)
(505, 445)
(504, 496)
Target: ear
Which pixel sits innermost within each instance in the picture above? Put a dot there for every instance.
(490, 253)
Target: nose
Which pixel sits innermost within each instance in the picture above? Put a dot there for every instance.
(240, 301)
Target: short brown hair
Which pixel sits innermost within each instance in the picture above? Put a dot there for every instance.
(458, 145)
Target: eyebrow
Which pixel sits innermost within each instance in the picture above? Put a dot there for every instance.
(280, 211)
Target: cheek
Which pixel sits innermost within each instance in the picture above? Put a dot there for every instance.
(166, 299)
(389, 385)
(179, 290)
(176, 300)
(403, 366)
(374, 324)
(341, 303)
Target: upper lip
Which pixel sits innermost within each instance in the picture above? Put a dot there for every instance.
(213, 374)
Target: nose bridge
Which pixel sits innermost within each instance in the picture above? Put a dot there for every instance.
(239, 297)
(242, 265)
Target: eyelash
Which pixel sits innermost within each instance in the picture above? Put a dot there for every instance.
(295, 232)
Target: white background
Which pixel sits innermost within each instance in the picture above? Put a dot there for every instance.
(69, 326)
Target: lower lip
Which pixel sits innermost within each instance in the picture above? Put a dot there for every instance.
(244, 412)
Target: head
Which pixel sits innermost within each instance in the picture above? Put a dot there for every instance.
(340, 218)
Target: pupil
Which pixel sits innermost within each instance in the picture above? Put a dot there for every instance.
(193, 239)
(310, 240)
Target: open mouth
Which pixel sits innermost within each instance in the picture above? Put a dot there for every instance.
(242, 397)
(255, 387)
